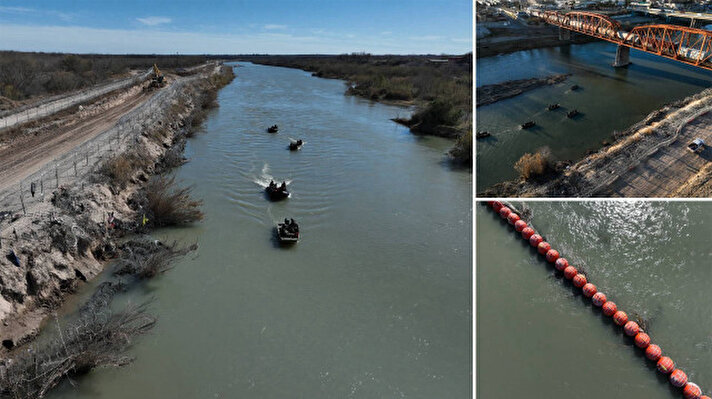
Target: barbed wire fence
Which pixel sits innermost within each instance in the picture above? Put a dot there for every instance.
(71, 169)
(57, 103)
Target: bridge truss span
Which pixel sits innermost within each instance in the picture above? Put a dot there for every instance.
(687, 45)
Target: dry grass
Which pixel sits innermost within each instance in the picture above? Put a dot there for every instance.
(170, 205)
(533, 165)
(121, 168)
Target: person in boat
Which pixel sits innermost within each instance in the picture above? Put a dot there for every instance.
(294, 226)
(271, 184)
(283, 187)
(299, 142)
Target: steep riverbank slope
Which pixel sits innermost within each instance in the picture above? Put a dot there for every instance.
(63, 226)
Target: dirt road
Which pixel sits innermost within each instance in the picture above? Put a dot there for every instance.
(28, 153)
(663, 172)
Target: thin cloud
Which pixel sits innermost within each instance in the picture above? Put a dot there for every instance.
(17, 10)
(153, 21)
(77, 39)
(273, 26)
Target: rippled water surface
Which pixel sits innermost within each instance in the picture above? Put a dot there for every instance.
(537, 333)
(375, 301)
(609, 99)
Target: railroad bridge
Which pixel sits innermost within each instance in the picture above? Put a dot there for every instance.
(687, 45)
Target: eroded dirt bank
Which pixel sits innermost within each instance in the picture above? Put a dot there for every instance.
(649, 159)
(66, 236)
(492, 93)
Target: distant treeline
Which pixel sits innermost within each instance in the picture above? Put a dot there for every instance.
(25, 75)
(439, 86)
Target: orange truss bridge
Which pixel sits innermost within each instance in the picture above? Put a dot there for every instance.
(687, 45)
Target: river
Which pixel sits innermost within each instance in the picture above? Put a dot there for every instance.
(537, 334)
(609, 99)
(376, 299)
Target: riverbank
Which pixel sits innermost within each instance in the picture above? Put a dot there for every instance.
(492, 93)
(504, 43)
(440, 87)
(54, 245)
(648, 159)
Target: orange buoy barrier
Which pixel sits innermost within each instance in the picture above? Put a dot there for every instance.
(561, 264)
(589, 290)
(527, 233)
(504, 212)
(543, 247)
(570, 272)
(620, 318)
(599, 299)
(535, 239)
(642, 340)
(513, 218)
(678, 378)
(631, 329)
(609, 308)
(552, 255)
(579, 280)
(665, 365)
(653, 352)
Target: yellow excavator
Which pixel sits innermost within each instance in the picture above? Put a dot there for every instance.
(157, 78)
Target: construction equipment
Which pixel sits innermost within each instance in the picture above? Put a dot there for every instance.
(157, 78)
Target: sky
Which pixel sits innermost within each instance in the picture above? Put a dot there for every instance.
(238, 27)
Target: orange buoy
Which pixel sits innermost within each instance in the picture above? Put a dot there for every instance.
(599, 299)
(579, 280)
(609, 308)
(513, 218)
(543, 247)
(620, 317)
(504, 212)
(552, 255)
(527, 233)
(692, 391)
(678, 378)
(570, 272)
(561, 264)
(642, 340)
(589, 290)
(631, 328)
(535, 239)
(496, 206)
(519, 225)
(665, 365)
(653, 352)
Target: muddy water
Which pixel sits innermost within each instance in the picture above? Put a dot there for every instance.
(537, 334)
(375, 301)
(609, 99)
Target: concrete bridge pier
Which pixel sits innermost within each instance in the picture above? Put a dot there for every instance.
(622, 57)
(564, 34)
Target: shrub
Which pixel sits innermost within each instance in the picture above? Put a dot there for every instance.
(147, 259)
(533, 165)
(168, 204)
(121, 168)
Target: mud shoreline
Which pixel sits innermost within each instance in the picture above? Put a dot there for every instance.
(490, 94)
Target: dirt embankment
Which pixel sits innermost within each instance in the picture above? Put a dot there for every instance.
(492, 93)
(649, 159)
(509, 41)
(66, 237)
